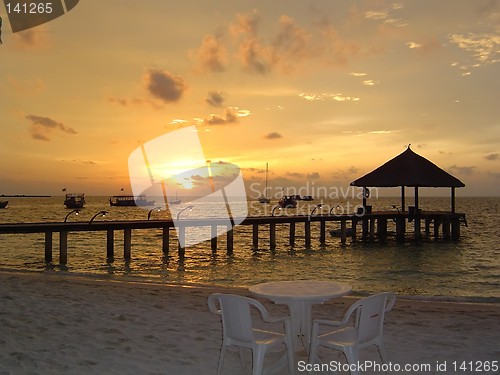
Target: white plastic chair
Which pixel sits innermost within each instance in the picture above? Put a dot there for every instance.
(367, 329)
(238, 330)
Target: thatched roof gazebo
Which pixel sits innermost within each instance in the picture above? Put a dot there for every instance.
(412, 170)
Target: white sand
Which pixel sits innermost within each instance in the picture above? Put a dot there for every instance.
(57, 324)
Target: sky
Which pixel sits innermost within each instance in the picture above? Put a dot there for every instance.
(323, 91)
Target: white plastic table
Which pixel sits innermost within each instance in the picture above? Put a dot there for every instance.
(300, 295)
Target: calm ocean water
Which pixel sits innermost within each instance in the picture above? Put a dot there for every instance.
(468, 268)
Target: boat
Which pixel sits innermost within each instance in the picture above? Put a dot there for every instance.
(74, 200)
(288, 201)
(307, 198)
(175, 201)
(263, 198)
(3, 204)
(130, 201)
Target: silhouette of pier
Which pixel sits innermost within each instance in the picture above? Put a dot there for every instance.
(438, 225)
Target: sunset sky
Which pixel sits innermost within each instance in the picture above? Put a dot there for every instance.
(324, 91)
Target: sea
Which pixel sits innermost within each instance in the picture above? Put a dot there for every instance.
(468, 269)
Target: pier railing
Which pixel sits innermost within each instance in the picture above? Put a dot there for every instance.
(373, 225)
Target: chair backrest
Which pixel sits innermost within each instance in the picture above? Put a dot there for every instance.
(236, 315)
(370, 313)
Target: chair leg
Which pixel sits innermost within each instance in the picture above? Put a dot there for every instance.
(352, 356)
(313, 352)
(258, 354)
(221, 358)
(290, 355)
(382, 352)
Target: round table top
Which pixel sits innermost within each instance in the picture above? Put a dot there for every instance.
(300, 290)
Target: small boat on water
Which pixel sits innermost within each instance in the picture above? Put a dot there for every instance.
(288, 201)
(175, 201)
(74, 200)
(307, 198)
(263, 199)
(3, 204)
(130, 201)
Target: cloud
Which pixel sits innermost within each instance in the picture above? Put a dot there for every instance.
(273, 135)
(313, 176)
(327, 96)
(465, 171)
(284, 49)
(425, 46)
(482, 47)
(385, 16)
(353, 170)
(295, 174)
(413, 45)
(42, 127)
(211, 56)
(230, 117)
(376, 15)
(370, 82)
(125, 102)
(492, 157)
(164, 85)
(215, 99)
(90, 162)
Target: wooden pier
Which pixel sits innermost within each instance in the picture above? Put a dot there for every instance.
(367, 227)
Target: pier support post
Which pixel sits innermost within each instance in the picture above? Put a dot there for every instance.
(165, 245)
(382, 228)
(272, 236)
(230, 240)
(343, 231)
(182, 238)
(292, 234)
(427, 224)
(437, 222)
(63, 247)
(400, 228)
(307, 233)
(446, 228)
(364, 229)
(322, 232)
(127, 244)
(48, 247)
(417, 227)
(372, 228)
(110, 245)
(455, 229)
(354, 225)
(213, 238)
(255, 236)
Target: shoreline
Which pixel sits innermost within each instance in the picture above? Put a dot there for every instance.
(141, 280)
(59, 324)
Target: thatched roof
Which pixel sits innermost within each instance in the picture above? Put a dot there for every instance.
(408, 169)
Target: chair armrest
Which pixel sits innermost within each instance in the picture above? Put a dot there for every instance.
(211, 304)
(332, 323)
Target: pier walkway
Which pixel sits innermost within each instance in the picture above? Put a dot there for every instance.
(366, 227)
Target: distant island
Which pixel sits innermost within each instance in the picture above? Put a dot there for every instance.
(25, 196)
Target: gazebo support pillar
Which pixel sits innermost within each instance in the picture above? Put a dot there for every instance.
(453, 200)
(403, 198)
(416, 234)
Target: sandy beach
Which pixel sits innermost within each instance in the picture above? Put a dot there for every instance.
(60, 324)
